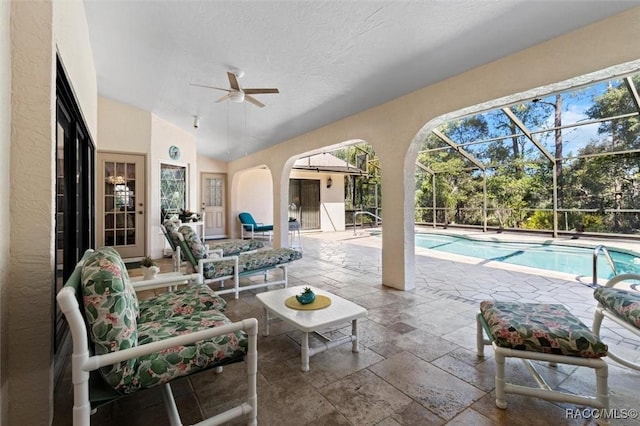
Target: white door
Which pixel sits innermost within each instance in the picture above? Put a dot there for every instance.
(120, 203)
(213, 205)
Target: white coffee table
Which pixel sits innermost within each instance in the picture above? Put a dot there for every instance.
(309, 321)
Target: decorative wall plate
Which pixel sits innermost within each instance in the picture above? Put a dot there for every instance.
(174, 152)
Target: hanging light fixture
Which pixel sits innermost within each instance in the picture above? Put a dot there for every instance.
(236, 96)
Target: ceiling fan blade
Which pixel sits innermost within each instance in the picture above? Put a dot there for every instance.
(209, 87)
(224, 98)
(233, 82)
(253, 100)
(256, 91)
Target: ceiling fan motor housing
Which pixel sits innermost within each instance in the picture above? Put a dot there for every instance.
(236, 96)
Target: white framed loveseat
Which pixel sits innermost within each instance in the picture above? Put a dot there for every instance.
(122, 345)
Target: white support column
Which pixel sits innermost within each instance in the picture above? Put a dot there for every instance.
(398, 249)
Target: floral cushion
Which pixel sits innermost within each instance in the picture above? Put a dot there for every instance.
(172, 227)
(219, 269)
(184, 302)
(111, 309)
(623, 302)
(161, 367)
(235, 247)
(196, 248)
(540, 328)
(198, 251)
(267, 258)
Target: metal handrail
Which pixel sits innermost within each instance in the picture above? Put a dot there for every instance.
(355, 214)
(596, 251)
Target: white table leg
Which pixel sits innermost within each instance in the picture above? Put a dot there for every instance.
(305, 352)
(265, 331)
(354, 333)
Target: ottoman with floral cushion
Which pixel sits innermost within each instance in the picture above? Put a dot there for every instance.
(155, 340)
(541, 332)
(214, 268)
(621, 306)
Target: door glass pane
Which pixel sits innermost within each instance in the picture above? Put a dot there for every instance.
(214, 192)
(173, 190)
(119, 203)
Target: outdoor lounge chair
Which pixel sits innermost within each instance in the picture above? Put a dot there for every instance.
(620, 305)
(214, 268)
(225, 247)
(122, 345)
(248, 224)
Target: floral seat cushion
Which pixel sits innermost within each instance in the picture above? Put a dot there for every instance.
(161, 367)
(546, 328)
(267, 259)
(235, 247)
(623, 302)
(183, 302)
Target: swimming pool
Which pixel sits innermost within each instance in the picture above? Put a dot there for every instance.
(553, 257)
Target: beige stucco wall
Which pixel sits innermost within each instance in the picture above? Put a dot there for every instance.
(390, 128)
(73, 44)
(37, 30)
(211, 165)
(123, 128)
(5, 147)
(254, 195)
(32, 172)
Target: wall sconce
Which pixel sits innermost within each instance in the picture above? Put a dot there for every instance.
(329, 182)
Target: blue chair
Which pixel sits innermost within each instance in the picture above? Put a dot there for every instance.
(250, 225)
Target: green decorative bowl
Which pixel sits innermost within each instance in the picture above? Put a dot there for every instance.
(306, 298)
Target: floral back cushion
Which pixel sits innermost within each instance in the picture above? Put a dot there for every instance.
(197, 250)
(111, 309)
(172, 227)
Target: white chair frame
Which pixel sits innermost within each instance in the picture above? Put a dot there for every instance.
(253, 234)
(83, 362)
(603, 312)
(236, 289)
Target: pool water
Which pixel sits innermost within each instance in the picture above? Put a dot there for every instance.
(553, 257)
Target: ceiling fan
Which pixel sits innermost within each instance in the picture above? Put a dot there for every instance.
(237, 93)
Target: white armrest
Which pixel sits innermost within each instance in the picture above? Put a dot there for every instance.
(218, 252)
(620, 278)
(164, 281)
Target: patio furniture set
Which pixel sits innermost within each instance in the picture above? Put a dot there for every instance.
(120, 342)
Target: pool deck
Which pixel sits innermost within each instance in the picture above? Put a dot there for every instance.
(471, 280)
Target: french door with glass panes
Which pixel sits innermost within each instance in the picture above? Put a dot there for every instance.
(121, 197)
(213, 205)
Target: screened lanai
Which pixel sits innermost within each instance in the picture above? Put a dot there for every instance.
(565, 163)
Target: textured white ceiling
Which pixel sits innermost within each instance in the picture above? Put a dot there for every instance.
(330, 59)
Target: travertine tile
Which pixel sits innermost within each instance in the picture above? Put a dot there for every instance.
(364, 398)
(440, 392)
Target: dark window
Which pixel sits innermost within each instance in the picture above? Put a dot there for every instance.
(74, 192)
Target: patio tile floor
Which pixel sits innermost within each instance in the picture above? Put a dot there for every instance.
(417, 363)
